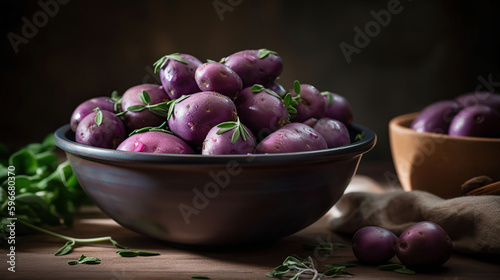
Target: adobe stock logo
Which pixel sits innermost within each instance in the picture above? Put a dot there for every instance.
(221, 7)
(362, 37)
(29, 30)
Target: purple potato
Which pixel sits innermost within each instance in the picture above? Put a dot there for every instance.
(334, 132)
(135, 120)
(436, 117)
(155, 142)
(262, 112)
(311, 122)
(480, 98)
(220, 144)
(214, 76)
(255, 68)
(177, 77)
(108, 134)
(85, 108)
(338, 109)
(374, 245)
(195, 115)
(311, 104)
(425, 244)
(293, 137)
(476, 121)
(278, 88)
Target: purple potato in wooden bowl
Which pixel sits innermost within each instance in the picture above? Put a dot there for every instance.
(214, 200)
(480, 98)
(177, 74)
(193, 116)
(337, 107)
(155, 142)
(436, 117)
(86, 107)
(440, 163)
(100, 129)
(214, 76)
(476, 121)
(134, 96)
(255, 66)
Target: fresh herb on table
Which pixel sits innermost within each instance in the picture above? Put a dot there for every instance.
(294, 267)
(46, 191)
(128, 253)
(200, 277)
(85, 260)
(399, 268)
(71, 241)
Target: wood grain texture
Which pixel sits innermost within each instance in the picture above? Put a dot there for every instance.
(35, 257)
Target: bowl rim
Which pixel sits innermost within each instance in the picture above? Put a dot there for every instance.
(358, 148)
(396, 124)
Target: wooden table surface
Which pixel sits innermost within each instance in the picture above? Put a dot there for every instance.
(35, 257)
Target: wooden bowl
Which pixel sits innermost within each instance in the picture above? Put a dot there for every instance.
(439, 163)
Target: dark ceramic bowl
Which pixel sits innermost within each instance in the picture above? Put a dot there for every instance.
(214, 200)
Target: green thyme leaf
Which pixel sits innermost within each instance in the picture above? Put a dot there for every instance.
(359, 136)
(90, 260)
(390, 267)
(265, 52)
(160, 128)
(236, 135)
(399, 268)
(98, 116)
(257, 88)
(128, 253)
(290, 103)
(117, 245)
(209, 60)
(200, 277)
(175, 56)
(330, 96)
(238, 130)
(144, 97)
(224, 130)
(172, 103)
(296, 87)
(66, 249)
(230, 125)
(116, 99)
(136, 108)
(85, 260)
(405, 271)
(160, 109)
(115, 96)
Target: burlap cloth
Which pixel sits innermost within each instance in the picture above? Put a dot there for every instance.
(472, 222)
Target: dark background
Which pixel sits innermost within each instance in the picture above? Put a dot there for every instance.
(431, 50)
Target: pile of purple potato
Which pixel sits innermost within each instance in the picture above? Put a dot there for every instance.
(234, 106)
(475, 114)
